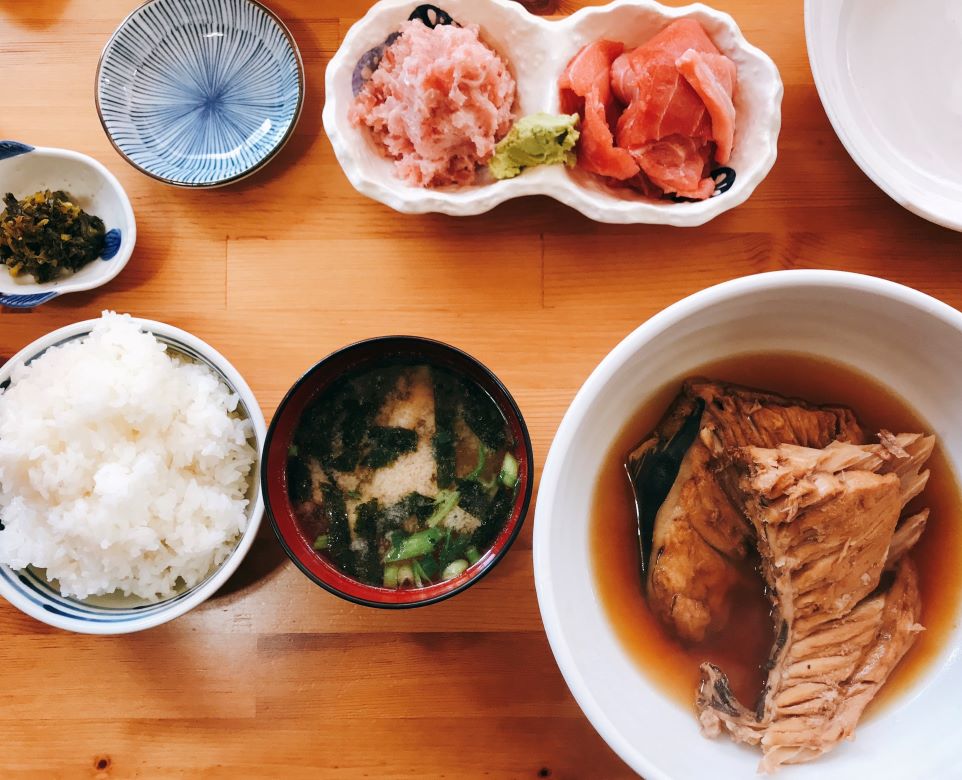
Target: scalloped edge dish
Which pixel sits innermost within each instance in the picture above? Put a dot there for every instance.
(537, 51)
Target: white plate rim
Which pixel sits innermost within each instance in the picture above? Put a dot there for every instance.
(848, 138)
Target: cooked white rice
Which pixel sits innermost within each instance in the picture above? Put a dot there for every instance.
(122, 467)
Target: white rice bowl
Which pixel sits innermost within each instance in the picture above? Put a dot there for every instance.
(123, 468)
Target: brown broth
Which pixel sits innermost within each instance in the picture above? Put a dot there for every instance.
(743, 646)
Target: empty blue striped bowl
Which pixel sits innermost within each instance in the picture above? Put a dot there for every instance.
(200, 93)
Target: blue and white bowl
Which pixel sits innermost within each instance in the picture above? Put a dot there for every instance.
(29, 591)
(200, 93)
(26, 169)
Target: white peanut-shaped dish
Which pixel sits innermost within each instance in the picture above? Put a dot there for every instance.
(537, 51)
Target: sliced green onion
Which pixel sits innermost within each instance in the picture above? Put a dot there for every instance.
(391, 575)
(454, 569)
(405, 575)
(414, 546)
(446, 501)
(418, 574)
(429, 567)
(472, 555)
(394, 538)
(321, 542)
(292, 451)
(509, 471)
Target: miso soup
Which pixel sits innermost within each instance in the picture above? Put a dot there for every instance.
(402, 475)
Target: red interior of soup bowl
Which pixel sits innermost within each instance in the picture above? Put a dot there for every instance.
(280, 435)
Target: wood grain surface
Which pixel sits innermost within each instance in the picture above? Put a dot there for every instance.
(274, 677)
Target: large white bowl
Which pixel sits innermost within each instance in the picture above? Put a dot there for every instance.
(908, 341)
(537, 50)
(889, 73)
(31, 594)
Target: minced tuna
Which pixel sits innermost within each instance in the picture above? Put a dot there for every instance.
(437, 104)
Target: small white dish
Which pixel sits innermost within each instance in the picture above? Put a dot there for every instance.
(33, 595)
(26, 169)
(871, 324)
(538, 50)
(889, 78)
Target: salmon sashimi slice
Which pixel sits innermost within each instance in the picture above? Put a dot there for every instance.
(677, 164)
(665, 105)
(712, 76)
(663, 49)
(598, 151)
(590, 65)
(648, 75)
(667, 126)
(655, 116)
(586, 88)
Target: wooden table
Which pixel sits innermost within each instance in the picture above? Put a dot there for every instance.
(274, 677)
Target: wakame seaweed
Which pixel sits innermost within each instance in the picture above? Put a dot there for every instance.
(357, 418)
(339, 430)
(333, 431)
(338, 530)
(311, 437)
(412, 505)
(386, 445)
(298, 480)
(474, 497)
(367, 561)
(483, 416)
(492, 521)
(446, 403)
(46, 235)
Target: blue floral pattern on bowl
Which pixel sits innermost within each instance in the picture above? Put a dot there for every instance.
(26, 301)
(112, 242)
(200, 93)
(13, 148)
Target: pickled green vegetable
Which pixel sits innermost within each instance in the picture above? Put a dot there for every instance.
(47, 235)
